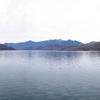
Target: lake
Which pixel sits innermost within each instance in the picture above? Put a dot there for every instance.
(49, 75)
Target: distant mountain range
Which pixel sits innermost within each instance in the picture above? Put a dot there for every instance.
(4, 47)
(88, 47)
(46, 45)
(66, 45)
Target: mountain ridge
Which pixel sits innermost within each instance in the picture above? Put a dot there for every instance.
(66, 45)
(45, 45)
(4, 47)
(88, 47)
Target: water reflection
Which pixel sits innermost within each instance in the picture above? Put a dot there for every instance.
(46, 75)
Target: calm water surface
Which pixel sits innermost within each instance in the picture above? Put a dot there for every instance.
(47, 75)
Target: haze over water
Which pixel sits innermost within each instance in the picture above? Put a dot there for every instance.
(49, 75)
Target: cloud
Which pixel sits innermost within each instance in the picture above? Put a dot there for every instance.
(22, 20)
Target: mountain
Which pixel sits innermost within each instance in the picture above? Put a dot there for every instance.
(92, 42)
(88, 47)
(45, 45)
(20, 46)
(67, 45)
(4, 47)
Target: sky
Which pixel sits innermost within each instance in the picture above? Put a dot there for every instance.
(37, 20)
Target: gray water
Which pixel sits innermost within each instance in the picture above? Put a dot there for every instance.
(49, 75)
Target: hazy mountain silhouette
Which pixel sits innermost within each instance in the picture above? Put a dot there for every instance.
(67, 45)
(92, 42)
(88, 47)
(4, 47)
(45, 45)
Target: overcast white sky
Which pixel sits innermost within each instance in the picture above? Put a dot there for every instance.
(22, 20)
